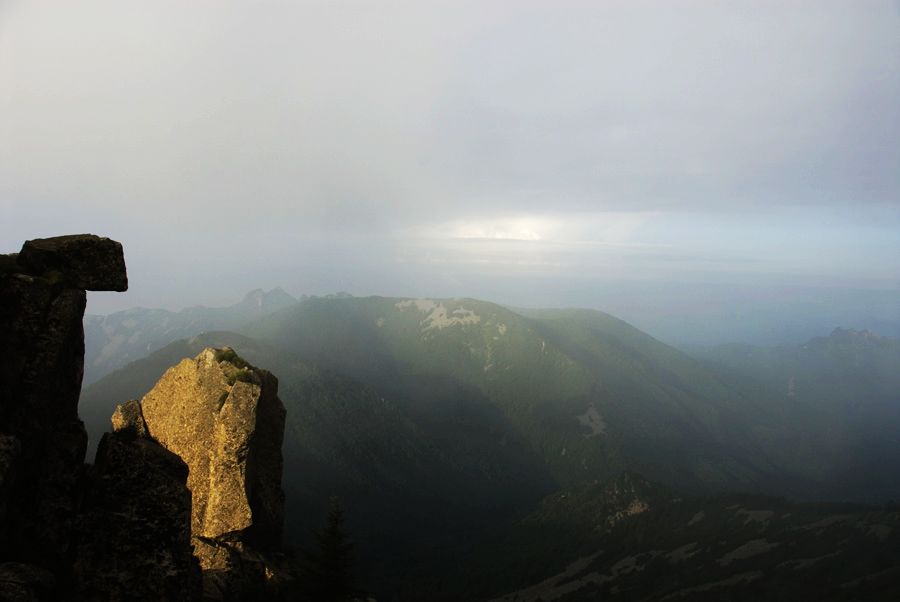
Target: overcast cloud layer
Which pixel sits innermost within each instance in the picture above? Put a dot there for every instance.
(486, 149)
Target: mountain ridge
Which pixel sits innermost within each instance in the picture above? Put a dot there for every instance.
(469, 416)
(115, 339)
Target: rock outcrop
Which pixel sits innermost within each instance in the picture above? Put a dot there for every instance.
(223, 417)
(42, 301)
(26, 583)
(81, 261)
(134, 536)
(190, 477)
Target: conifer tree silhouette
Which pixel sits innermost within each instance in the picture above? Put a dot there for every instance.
(329, 575)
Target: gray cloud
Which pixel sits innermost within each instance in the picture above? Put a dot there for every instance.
(264, 139)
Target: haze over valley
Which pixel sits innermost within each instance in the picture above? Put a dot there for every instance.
(417, 300)
(710, 174)
(469, 415)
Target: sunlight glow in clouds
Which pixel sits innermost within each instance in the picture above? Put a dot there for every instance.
(522, 228)
(313, 143)
(601, 227)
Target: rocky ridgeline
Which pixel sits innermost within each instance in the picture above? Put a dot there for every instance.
(184, 501)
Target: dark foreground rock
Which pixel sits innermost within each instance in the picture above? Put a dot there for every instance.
(83, 261)
(42, 301)
(134, 534)
(26, 583)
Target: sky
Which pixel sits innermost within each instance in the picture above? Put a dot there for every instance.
(617, 155)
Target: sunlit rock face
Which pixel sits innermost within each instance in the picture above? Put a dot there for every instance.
(224, 419)
(128, 418)
(42, 301)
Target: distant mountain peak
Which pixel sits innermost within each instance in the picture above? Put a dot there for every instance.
(266, 301)
(116, 339)
(843, 337)
(849, 333)
(255, 294)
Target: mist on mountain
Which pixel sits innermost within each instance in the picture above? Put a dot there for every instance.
(620, 291)
(479, 420)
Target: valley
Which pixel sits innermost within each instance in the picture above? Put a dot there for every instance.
(459, 429)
